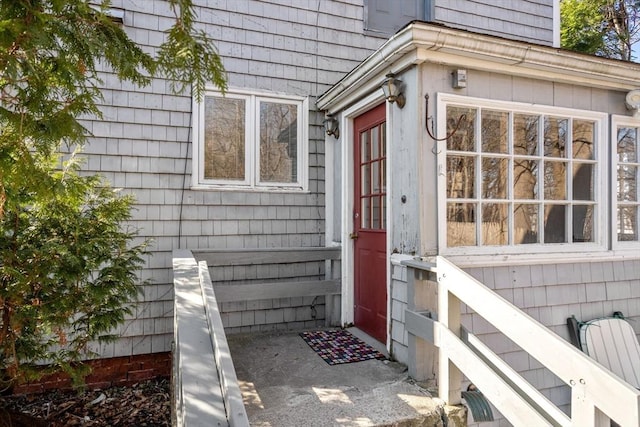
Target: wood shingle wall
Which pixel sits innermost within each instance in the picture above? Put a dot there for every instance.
(143, 144)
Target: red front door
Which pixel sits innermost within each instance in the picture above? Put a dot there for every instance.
(369, 236)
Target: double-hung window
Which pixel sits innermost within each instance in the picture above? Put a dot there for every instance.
(251, 141)
(520, 176)
(626, 173)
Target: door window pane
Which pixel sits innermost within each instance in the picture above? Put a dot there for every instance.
(365, 183)
(375, 143)
(224, 138)
(365, 213)
(376, 216)
(627, 144)
(365, 147)
(375, 177)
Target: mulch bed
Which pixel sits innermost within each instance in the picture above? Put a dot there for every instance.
(144, 404)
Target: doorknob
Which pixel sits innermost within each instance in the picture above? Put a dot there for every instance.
(353, 236)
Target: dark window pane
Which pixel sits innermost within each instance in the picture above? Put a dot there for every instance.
(583, 181)
(555, 224)
(389, 16)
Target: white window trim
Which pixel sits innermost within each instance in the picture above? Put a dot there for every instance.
(601, 187)
(617, 121)
(252, 149)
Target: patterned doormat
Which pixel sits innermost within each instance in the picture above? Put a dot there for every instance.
(338, 346)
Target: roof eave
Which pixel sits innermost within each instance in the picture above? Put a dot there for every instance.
(422, 42)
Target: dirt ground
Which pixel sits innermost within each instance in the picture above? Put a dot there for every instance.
(145, 404)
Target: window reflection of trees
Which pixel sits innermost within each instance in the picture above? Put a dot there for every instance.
(532, 178)
(461, 180)
(224, 138)
(627, 183)
(278, 142)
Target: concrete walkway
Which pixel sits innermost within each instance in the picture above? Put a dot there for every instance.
(286, 384)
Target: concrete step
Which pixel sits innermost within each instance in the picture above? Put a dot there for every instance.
(285, 383)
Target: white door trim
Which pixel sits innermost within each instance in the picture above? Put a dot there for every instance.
(347, 225)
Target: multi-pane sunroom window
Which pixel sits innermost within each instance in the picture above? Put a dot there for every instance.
(627, 176)
(250, 140)
(520, 176)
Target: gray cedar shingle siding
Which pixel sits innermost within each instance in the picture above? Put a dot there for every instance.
(143, 144)
(528, 20)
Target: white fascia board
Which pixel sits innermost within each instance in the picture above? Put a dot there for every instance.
(423, 42)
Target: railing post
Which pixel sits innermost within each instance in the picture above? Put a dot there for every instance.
(449, 376)
(583, 409)
(422, 354)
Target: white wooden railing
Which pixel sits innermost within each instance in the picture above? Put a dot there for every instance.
(597, 395)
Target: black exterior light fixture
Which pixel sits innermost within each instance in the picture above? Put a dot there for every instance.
(331, 126)
(393, 90)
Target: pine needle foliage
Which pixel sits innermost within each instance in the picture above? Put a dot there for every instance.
(67, 259)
